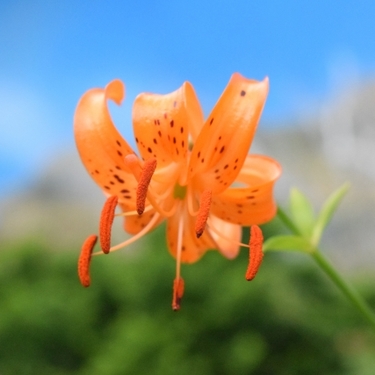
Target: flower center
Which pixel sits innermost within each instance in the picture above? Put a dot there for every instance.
(179, 191)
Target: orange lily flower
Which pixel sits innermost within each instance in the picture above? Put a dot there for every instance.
(195, 174)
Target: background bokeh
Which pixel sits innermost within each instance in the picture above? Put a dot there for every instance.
(50, 53)
(318, 121)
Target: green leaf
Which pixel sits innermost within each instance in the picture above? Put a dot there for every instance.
(326, 213)
(302, 212)
(287, 243)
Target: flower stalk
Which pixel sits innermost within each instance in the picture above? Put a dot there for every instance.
(346, 288)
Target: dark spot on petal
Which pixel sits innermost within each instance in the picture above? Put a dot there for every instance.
(111, 182)
(199, 154)
(211, 121)
(119, 153)
(127, 196)
(216, 171)
(149, 150)
(219, 138)
(182, 129)
(136, 139)
(174, 104)
(125, 191)
(236, 160)
(226, 166)
(155, 141)
(243, 93)
(96, 171)
(254, 190)
(222, 149)
(174, 139)
(171, 123)
(118, 142)
(202, 160)
(250, 197)
(119, 168)
(107, 187)
(183, 143)
(120, 180)
(159, 132)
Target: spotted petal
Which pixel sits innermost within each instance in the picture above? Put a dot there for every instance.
(225, 139)
(101, 147)
(193, 248)
(253, 203)
(162, 124)
(226, 235)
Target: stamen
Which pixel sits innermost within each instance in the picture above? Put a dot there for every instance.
(130, 240)
(106, 221)
(178, 292)
(134, 212)
(134, 165)
(220, 234)
(85, 259)
(144, 180)
(136, 168)
(178, 283)
(190, 203)
(256, 253)
(204, 210)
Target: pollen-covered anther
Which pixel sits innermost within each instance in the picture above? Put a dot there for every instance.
(143, 183)
(256, 252)
(204, 210)
(106, 221)
(85, 259)
(178, 292)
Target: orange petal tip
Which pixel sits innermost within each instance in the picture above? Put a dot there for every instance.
(115, 90)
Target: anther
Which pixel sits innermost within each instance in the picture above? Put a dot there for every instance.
(178, 292)
(204, 210)
(106, 221)
(85, 259)
(256, 253)
(143, 183)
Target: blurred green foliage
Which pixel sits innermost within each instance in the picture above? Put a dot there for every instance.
(289, 320)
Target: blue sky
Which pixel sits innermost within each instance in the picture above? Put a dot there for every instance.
(52, 52)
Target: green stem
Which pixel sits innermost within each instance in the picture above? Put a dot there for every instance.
(344, 286)
(328, 268)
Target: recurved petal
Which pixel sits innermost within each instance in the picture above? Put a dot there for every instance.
(135, 223)
(100, 145)
(193, 248)
(225, 139)
(226, 235)
(162, 124)
(251, 202)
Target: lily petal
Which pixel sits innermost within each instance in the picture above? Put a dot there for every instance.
(193, 248)
(225, 139)
(101, 147)
(228, 240)
(253, 203)
(162, 124)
